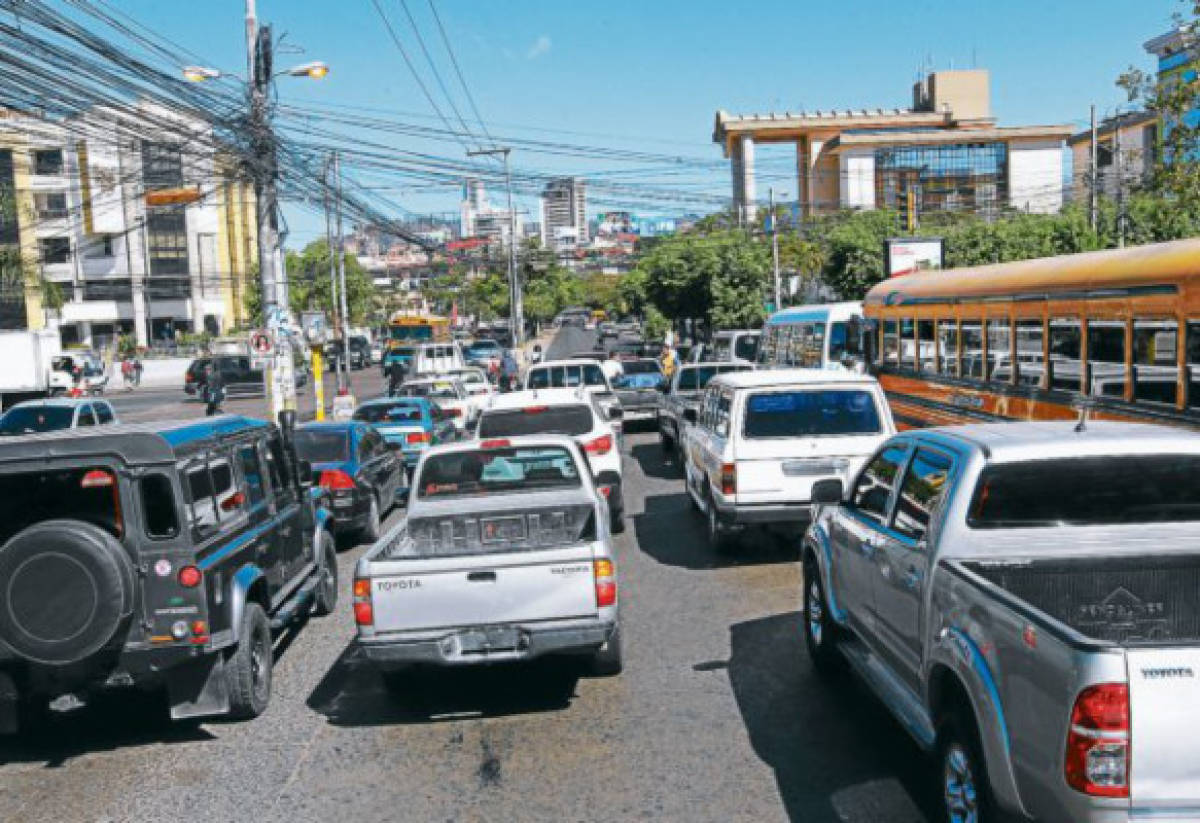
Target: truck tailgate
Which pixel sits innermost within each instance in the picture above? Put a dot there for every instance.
(1166, 727)
(409, 595)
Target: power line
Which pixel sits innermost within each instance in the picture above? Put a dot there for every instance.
(458, 70)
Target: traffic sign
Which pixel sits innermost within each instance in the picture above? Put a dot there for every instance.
(261, 343)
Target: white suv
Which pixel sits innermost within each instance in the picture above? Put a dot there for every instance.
(761, 439)
(573, 412)
(574, 373)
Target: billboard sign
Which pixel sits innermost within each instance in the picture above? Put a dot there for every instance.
(909, 255)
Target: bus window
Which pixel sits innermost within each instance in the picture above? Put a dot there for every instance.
(766, 350)
(1030, 367)
(844, 341)
(1065, 341)
(972, 349)
(1106, 358)
(891, 343)
(927, 360)
(1192, 346)
(1000, 364)
(810, 346)
(1155, 371)
(947, 341)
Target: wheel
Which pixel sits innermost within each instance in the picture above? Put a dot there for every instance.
(719, 539)
(962, 772)
(616, 510)
(248, 669)
(820, 632)
(666, 441)
(370, 532)
(607, 661)
(327, 592)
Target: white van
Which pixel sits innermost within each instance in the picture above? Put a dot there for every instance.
(436, 358)
(761, 439)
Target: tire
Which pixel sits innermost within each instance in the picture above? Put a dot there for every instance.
(719, 540)
(820, 632)
(369, 533)
(962, 773)
(327, 592)
(666, 441)
(608, 661)
(66, 591)
(616, 509)
(248, 669)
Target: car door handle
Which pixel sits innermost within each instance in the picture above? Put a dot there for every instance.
(481, 577)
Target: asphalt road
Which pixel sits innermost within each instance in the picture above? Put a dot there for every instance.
(718, 715)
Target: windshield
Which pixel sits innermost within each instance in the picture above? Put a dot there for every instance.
(327, 446)
(569, 420)
(412, 332)
(388, 413)
(484, 347)
(1088, 491)
(566, 376)
(88, 494)
(30, 419)
(843, 341)
(472, 473)
(814, 413)
(746, 347)
(697, 378)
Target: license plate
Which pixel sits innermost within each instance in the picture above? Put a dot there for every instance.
(503, 529)
(491, 638)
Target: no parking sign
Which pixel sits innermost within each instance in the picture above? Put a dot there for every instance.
(261, 343)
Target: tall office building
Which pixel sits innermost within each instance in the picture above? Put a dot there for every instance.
(564, 213)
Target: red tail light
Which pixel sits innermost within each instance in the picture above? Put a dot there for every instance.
(601, 445)
(1097, 761)
(336, 479)
(364, 615)
(190, 577)
(417, 437)
(606, 583)
(605, 491)
(495, 444)
(535, 409)
(452, 412)
(729, 478)
(96, 479)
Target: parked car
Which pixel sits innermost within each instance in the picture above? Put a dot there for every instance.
(561, 374)
(362, 476)
(683, 392)
(570, 412)
(409, 425)
(762, 438)
(450, 397)
(505, 555)
(56, 413)
(168, 553)
(638, 388)
(1023, 598)
(240, 375)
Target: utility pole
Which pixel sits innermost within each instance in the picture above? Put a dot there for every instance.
(1092, 196)
(1120, 169)
(775, 246)
(333, 277)
(516, 310)
(341, 264)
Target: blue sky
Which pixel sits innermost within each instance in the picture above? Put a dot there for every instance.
(650, 75)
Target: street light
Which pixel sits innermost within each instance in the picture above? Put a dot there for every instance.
(198, 74)
(317, 70)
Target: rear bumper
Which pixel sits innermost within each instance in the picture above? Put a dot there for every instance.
(443, 647)
(762, 513)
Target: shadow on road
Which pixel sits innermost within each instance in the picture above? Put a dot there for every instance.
(672, 532)
(107, 723)
(836, 752)
(354, 693)
(655, 462)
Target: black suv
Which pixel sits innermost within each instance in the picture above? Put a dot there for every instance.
(360, 353)
(156, 556)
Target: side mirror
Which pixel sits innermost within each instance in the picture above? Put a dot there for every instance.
(689, 415)
(305, 470)
(616, 413)
(827, 492)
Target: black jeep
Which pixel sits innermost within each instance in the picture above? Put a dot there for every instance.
(155, 556)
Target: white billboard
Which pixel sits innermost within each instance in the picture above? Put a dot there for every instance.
(909, 255)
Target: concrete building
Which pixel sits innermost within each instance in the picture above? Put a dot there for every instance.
(479, 219)
(564, 213)
(1178, 53)
(1125, 151)
(944, 153)
(137, 219)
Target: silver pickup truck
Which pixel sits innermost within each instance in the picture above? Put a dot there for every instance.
(1025, 598)
(505, 555)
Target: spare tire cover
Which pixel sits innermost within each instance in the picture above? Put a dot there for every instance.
(65, 588)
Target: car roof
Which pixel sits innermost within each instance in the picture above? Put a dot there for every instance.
(539, 397)
(732, 365)
(134, 443)
(574, 361)
(753, 379)
(393, 401)
(517, 440)
(731, 332)
(1019, 440)
(58, 402)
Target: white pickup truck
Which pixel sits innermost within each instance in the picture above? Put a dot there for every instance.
(505, 555)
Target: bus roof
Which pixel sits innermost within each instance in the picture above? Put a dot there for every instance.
(1112, 273)
(816, 312)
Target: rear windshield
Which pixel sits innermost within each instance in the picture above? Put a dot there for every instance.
(558, 377)
(36, 419)
(87, 494)
(484, 346)
(817, 413)
(474, 473)
(443, 391)
(569, 420)
(641, 367)
(695, 379)
(1088, 491)
(322, 446)
(381, 413)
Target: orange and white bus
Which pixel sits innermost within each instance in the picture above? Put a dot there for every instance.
(1030, 340)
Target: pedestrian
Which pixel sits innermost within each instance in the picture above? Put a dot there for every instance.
(127, 372)
(137, 371)
(668, 361)
(214, 392)
(611, 367)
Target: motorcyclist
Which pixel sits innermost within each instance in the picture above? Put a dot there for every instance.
(214, 392)
(395, 375)
(508, 370)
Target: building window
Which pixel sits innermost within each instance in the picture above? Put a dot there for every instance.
(48, 161)
(966, 177)
(121, 290)
(162, 165)
(166, 232)
(168, 288)
(100, 245)
(50, 205)
(55, 250)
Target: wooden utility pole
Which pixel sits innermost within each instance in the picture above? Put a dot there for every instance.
(1092, 196)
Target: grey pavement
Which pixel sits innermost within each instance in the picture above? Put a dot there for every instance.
(717, 717)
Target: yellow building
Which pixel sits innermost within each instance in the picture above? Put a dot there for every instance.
(237, 239)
